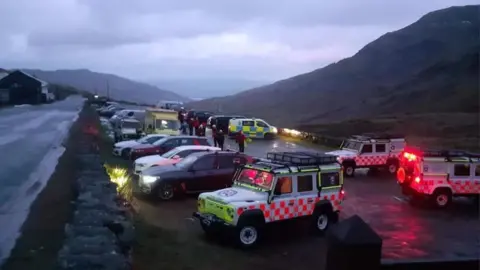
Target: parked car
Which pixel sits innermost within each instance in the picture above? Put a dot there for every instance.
(197, 172)
(110, 111)
(166, 144)
(170, 157)
(221, 121)
(202, 115)
(123, 148)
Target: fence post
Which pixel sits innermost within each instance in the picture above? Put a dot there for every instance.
(353, 244)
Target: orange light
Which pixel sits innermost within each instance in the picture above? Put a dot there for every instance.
(417, 179)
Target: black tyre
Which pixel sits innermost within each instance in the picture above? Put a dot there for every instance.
(392, 166)
(323, 219)
(125, 152)
(349, 169)
(268, 136)
(165, 192)
(442, 198)
(247, 235)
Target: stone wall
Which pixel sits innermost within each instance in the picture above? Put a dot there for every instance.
(101, 234)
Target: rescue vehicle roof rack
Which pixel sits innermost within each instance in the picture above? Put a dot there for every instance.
(374, 136)
(301, 158)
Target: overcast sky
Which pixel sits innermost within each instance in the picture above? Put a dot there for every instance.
(155, 39)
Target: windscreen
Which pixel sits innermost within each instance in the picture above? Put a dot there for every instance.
(162, 140)
(255, 178)
(352, 145)
(162, 124)
(134, 125)
(170, 153)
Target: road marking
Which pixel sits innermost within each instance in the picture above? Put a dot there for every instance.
(400, 199)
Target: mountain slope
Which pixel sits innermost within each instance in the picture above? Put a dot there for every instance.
(120, 88)
(428, 61)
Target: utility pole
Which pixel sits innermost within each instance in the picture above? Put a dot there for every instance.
(108, 90)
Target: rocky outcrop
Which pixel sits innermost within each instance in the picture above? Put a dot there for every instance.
(100, 234)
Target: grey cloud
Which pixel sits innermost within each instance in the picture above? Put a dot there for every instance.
(104, 34)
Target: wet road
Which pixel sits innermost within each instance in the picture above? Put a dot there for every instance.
(407, 232)
(30, 144)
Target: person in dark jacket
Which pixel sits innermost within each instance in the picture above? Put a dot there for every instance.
(191, 122)
(240, 139)
(220, 138)
(181, 116)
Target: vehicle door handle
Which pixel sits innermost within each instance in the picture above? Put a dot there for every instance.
(291, 203)
(310, 200)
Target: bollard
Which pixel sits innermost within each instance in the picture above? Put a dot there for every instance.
(353, 244)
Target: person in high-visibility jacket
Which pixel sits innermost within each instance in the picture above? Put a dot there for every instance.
(240, 139)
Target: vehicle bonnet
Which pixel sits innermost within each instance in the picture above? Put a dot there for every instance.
(237, 194)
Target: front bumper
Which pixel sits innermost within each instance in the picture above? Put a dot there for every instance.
(213, 223)
(145, 188)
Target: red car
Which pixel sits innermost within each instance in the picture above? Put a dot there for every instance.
(166, 144)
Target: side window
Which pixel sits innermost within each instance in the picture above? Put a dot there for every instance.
(248, 123)
(284, 185)
(304, 183)
(461, 170)
(330, 179)
(171, 143)
(204, 163)
(226, 162)
(200, 141)
(367, 148)
(261, 124)
(130, 114)
(380, 148)
(185, 153)
(186, 142)
(477, 170)
(153, 139)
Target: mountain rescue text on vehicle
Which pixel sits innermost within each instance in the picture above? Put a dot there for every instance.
(251, 128)
(285, 186)
(437, 176)
(370, 151)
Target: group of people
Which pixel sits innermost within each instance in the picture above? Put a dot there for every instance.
(188, 126)
(193, 124)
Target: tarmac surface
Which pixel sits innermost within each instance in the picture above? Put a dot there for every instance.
(407, 231)
(31, 140)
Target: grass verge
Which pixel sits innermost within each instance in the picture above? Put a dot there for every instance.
(42, 233)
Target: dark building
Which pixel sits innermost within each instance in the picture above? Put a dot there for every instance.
(19, 87)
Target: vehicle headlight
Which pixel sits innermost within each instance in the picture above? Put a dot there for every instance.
(147, 179)
(140, 165)
(201, 204)
(230, 212)
(274, 130)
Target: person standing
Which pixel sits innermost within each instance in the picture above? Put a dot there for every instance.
(240, 138)
(196, 125)
(220, 138)
(214, 135)
(181, 116)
